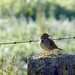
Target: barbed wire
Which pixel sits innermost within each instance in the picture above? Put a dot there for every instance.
(33, 41)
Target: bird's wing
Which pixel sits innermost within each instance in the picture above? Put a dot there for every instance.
(51, 43)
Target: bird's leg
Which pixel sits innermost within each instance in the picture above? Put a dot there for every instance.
(46, 53)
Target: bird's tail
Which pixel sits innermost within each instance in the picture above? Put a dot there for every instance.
(59, 48)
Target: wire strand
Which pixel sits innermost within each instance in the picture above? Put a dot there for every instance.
(33, 41)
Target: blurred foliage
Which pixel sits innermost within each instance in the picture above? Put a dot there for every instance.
(23, 20)
(6, 69)
(30, 8)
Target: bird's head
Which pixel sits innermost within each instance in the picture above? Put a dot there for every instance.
(45, 35)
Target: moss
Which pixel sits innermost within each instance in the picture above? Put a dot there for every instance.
(30, 66)
(35, 70)
(38, 74)
(63, 68)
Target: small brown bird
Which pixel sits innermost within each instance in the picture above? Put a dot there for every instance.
(47, 44)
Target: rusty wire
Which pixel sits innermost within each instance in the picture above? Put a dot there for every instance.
(33, 41)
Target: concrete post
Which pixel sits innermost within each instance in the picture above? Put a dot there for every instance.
(51, 65)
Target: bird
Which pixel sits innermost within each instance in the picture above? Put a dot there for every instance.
(47, 44)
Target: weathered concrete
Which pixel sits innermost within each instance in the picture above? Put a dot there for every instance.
(51, 65)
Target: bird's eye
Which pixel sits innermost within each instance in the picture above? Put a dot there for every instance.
(42, 41)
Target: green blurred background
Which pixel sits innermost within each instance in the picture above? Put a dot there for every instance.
(23, 20)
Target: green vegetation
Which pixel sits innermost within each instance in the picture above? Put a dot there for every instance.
(23, 20)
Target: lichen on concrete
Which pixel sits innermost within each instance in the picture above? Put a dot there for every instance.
(51, 65)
